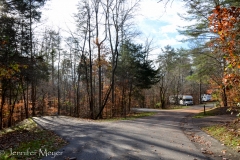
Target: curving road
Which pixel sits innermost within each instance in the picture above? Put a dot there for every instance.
(151, 138)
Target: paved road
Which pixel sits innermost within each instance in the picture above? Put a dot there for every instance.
(150, 138)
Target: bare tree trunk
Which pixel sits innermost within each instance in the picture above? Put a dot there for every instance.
(130, 97)
(224, 97)
(33, 94)
(200, 91)
(25, 101)
(59, 94)
(99, 44)
(11, 109)
(33, 85)
(90, 65)
(78, 94)
(3, 98)
(123, 99)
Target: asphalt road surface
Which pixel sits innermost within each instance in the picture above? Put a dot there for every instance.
(150, 138)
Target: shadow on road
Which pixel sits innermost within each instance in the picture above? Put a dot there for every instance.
(156, 137)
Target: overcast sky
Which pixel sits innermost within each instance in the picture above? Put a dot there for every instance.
(154, 20)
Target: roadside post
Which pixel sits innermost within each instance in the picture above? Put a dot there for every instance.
(204, 109)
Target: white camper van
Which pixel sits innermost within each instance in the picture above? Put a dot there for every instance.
(206, 97)
(186, 100)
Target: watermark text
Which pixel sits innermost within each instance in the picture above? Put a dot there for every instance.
(41, 153)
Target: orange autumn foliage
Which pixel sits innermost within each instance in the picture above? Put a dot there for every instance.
(225, 22)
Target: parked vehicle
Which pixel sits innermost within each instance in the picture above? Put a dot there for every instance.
(181, 99)
(186, 100)
(206, 97)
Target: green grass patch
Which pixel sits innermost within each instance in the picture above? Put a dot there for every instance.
(202, 114)
(211, 112)
(27, 124)
(130, 116)
(228, 134)
(28, 141)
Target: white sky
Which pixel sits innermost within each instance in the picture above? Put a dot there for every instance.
(59, 13)
(154, 20)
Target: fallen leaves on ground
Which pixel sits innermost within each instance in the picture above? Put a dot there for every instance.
(227, 133)
(32, 140)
